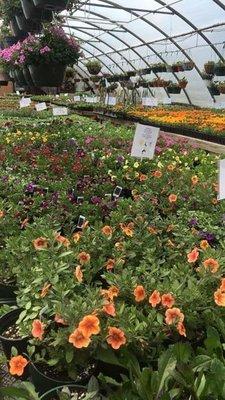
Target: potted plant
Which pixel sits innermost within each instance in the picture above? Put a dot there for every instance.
(53, 5)
(95, 78)
(33, 13)
(209, 67)
(183, 83)
(213, 89)
(94, 67)
(131, 73)
(146, 71)
(188, 65)
(174, 88)
(219, 69)
(221, 87)
(10, 334)
(177, 67)
(159, 67)
(207, 77)
(143, 83)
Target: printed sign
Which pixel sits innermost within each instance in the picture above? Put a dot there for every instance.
(41, 106)
(60, 111)
(110, 101)
(25, 102)
(221, 180)
(149, 102)
(144, 142)
(76, 98)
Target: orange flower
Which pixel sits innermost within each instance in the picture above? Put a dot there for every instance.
(37, 329)
(2, 213)
(170, 167)
(107, 230)
(78, 339)
(168, 300)
(212, 264)
(219, 298)
(142, 177)
(40, 243)
(222, 286)
(112, 292)
(181, 329)
(127, 231)
(78, 274)
(61, 239)
(110, 264)
(173, 315)
(116, 337)
(45, 290)
(139, 293)
(155, 298)
(152, 230)
(172, 198)
(194, 180)
(89, 325)
(109, 308)
(84, 257)
(193, 255)
(17, 365)
(204, 244)
(157, 174)
(76, 237)
(60, 320)
(214, 201)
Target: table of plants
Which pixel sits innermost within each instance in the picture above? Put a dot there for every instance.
(112, 268)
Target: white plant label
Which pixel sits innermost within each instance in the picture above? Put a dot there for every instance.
(25, 102)
(110, 101)
(149, 102)
(60, 111)
(221, 180)
(41, 106)
(144, 142)
(76, 98)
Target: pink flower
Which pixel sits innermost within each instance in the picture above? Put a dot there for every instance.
(45, 49)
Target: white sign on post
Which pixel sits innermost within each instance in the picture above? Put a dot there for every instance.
(25, 102)
(221, 180)
(149, 102)
(144, 142)
(76, 98)
(110, 101)
(60, 111)
(41, 106)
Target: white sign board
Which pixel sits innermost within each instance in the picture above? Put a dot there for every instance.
(167, 101)
(25, 102)
(149, 102)
(60, 111)
(76, 98)
(144, 142)
(221, 180)
(40, 106)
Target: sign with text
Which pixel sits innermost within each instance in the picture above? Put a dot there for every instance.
(144, 142)
(25, 102)
(60, 111)
(41, 106)
(91, 99)
(149, 102)
(110, 101)
(221, 180)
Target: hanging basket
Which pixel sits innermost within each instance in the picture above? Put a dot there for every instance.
(32, 12)
(222, 88)
(209, 68)
(27, 25)
(94, 70)
(174, 89)
(47, 75)
(53, 5)
(219, 70)
(188, 66)
(213, 90)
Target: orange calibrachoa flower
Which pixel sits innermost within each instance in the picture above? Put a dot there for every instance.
(107, 230)
(128, 230)
(204, 244)
(152, 230)
(194, 180)
(109, 309)
(79, 340)
(222, 286)
(116, 337)
(143, 177)
(110, 264)
(63, 240)
(40, 243)
(37, 329)
(76, 237)
(2, 214)
(168, 300)
(79, 274)
(112, 292)
(139, 293)
(45, 290)
(17, 365)
(219, 297)
(173, 315)
(84, 257)
(157, 174)
(181, 329)
(193, 255)
(212, 264)
(172, 198)
(155, 298)
(60, 320)
(170, 167)
(89, 325)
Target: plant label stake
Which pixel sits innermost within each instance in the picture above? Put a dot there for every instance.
(40, 106)
(81, 221)
(117, 192)
(60, 111)
(221, 180)
(144, 142)
(25, 102)
(80, 199)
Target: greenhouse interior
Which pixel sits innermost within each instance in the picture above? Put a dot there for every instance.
(112, 200)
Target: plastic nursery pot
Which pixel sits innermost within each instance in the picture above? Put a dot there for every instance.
(32, 12)
(19, 77)
(53, 5)
(16, 31)
(209, 68)
(6, 321)
(27, 25)
(219, 70)
(47, 75)
(7, 291)
(53, 393)
(28, 77)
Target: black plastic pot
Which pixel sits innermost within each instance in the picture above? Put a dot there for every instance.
(28, 77)
(53, 5)
(27, 25)
(19, 77)
(174, 90)
(16, 31)
(47, 75)
(32, 12)
(219, 70)
(7, 292)
(6, 321)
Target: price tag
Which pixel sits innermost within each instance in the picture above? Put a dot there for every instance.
(144, 142)
(149, 102)
(167, 101)
(110, 101)
(221, 180)
(25, 102)
(76, 98)
(41, 106)
(60, 111)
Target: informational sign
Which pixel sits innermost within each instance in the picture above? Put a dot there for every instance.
(76, 98)
(41, 106)
(25, 102)
(91, 99)
(221, 180)
(149, 102)
(144, 142)
(110, 101)
(60, 111)
(167, 101)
